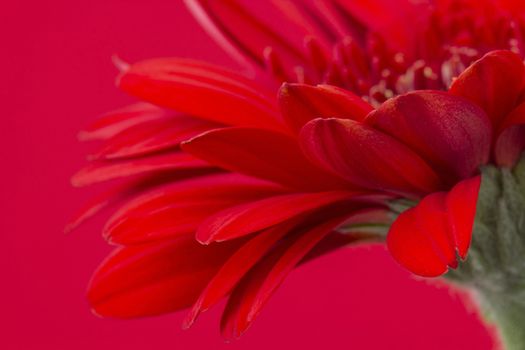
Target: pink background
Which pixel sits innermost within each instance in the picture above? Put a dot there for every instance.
(56, 57)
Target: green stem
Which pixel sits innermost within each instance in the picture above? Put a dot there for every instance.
(508, 314)
(495, 265)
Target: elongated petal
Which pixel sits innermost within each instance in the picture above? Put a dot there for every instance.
(252, 217)
(240, 32)
(105, 171)
(450, 133)
(367, 157)
(202, 90)
(255, 289)
(514, 6)
(494, 83)
(263, 154)
(154, 136)
(301, 103)
(425, 239)
(181, 207)
(510, 143)
(112, 123)
(152, 279)
(396, 21)
(236, 267)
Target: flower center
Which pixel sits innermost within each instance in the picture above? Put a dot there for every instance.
(455, 35)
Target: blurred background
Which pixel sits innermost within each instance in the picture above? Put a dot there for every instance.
(57, 76)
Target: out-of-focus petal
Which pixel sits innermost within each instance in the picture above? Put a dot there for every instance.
(240, 32)
(114, 122)
(154, 136)
(104, 171)
(396, 21)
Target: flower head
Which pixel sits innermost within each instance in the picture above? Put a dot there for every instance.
(233, 179)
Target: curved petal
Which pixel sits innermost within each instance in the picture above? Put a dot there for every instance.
(263, 154)
(413, 248)
(510, 143)
(396, 21)
(240, 32)
(367, 157)
(252, 293)
(450, 133)
(154, 136)
(112, 123)
(202, 90)
(461, 207)
(425, 238)
(104, 171)
(494, 83)
(236, 267)
(180, 208)
(252, 217)
(152, 279)
(300, 103)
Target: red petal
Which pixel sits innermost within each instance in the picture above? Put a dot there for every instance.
(301, 103)
(236, 267)
(179, 208)
(451, 134)
(202, 90)
(515, 7)
(252, 217)
(255, 289)
(510, 142)
(104, 171)
(263, 154)
(413, 248)
(240, 32)
(112, 123)
(367, 157)
(152, 279)
(424, 239)
(396, 21)
(461, 207)
(120, 194)
(494, 83)
(154, 136)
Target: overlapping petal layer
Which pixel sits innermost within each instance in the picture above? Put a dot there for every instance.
(367, 157)
(263, 181)
(453, 135)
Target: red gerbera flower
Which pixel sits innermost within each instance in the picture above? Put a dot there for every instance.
(388, 112)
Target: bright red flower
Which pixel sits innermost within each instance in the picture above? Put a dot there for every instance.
(229, 188)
